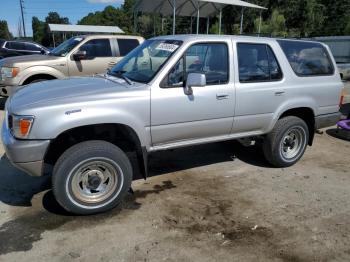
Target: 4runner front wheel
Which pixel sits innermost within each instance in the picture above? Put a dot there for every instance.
(287, 142)
(91, 177)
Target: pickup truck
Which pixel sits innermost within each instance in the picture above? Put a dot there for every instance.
(77, 56)
(170, 92)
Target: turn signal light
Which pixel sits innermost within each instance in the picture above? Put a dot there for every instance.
(24, 126)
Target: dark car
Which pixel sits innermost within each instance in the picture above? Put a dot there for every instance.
(19, 47)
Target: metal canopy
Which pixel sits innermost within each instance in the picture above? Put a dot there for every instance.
(85, 28)
(198, 8)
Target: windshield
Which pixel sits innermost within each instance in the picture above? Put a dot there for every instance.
(143, 63)
(64, 48)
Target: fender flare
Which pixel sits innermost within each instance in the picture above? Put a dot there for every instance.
(40, 70)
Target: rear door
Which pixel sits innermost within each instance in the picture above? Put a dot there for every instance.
(260, 87)
(123, 46)
(99, 56)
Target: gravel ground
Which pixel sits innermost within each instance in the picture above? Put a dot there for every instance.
(217, 202)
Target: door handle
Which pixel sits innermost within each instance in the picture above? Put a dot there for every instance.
(112, 63)
(279, 93)
(221, 97)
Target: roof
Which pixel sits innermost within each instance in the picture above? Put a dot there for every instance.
(189, 37)
(85, 28)
(205, 37)
(188, 7)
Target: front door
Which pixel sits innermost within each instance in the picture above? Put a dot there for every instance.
(209, 111)
(99, 58)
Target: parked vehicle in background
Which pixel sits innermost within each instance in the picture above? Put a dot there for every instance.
(170, 92)
(340, 47)
(10, 48)
(344, 70)
(78, 56)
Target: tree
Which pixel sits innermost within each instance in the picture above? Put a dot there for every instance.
(38, 29)
(275, 26)
(41, 32)
(4, 30)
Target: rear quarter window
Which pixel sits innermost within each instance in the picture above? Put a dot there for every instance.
(126, 45)
(307, 58)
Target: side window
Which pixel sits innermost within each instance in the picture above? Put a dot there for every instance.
(307, 58)
(210, 59)
(257, 63)
(126, 45)
(97, 48)
(15, 45)
(32, 47)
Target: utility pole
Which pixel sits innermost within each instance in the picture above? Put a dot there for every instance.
(21, 5)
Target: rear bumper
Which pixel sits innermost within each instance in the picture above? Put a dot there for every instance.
(27, 155)
(327, 120)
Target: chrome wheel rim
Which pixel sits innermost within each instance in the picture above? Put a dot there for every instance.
(94, 181)
(292, 143)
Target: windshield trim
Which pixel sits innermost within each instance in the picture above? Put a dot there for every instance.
(163, 64)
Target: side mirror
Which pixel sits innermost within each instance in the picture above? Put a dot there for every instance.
(79, 55)
(194, 79)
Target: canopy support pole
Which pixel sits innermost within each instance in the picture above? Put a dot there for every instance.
(220, 15)
(191, 25)
(174, 16)
(197, 17)
(260, 20)
(242, 17)
(53, 38)
(154, 25)
(207, 25)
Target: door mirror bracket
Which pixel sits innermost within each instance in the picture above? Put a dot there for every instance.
(194, 79)
(79, 55)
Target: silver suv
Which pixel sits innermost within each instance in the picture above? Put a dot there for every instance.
(170, 92)
(78, 56)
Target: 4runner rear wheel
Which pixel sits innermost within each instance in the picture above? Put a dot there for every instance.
(91, 177)
(287, 142)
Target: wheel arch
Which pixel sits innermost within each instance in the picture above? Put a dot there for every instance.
(40, 70)
(120, 135)
(305, 113)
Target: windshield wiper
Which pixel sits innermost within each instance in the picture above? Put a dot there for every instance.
(120, 74)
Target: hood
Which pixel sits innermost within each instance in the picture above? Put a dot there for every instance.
(30, 59)
(73, 90)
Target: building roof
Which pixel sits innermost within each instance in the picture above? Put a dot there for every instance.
(85, 28)
(188, 7)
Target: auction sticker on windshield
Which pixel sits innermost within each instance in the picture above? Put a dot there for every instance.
(167, 47)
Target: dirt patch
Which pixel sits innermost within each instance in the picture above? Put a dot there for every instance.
(21, 232)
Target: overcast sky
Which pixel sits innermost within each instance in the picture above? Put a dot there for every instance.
(73, 9)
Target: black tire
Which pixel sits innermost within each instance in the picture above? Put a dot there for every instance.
(279, 147)
(105, 171)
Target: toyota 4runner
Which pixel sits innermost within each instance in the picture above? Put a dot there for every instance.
(170, 92)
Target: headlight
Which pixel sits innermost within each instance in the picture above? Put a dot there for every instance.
(9, 72)
(20, 126)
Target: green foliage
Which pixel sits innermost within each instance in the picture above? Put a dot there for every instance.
(4, 30)
(290, 18)
(38, 29)
(41, 32)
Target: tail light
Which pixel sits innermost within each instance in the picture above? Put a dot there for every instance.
(343, 94)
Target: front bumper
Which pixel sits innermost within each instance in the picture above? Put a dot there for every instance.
(27, 155)
(327, 120)
(6, 91)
